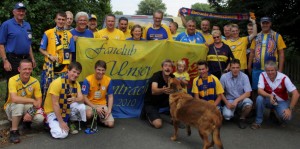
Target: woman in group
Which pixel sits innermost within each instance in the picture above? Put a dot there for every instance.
(218, 56)
(136, 33)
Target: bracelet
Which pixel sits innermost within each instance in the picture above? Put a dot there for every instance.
(31, 111)
(291, 108)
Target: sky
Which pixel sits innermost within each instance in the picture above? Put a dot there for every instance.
(128, 7)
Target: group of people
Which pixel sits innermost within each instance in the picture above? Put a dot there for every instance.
(221, 77)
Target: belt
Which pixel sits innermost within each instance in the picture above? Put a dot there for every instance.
(20, 56)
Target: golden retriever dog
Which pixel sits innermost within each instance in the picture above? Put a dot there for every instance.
(194, 112)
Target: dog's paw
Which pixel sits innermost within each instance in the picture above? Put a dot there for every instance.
(173, 138)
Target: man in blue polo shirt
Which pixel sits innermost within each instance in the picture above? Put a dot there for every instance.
(191, 36)
(15, 41)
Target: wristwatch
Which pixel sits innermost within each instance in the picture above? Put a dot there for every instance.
(291, 108)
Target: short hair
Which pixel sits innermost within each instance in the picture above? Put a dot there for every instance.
(123, 18)
(167, 61)
(110, 15)
(235, 26)
(191, 20)
(217, 26)
(205, 20)
(69, 12)
(202, 62)
(175, 24)
(61, 13)
(100, 63)
(158, 11)
(227, 25)
(79, 14)
(250, 24)
(75, 65)
(25, 61)
(235, 61)
(214, 32)
(134, 27)
(181, 62)
(271, 64)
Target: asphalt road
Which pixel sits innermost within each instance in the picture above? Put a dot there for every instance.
(136, 134)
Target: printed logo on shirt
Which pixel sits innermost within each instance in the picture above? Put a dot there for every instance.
(83, 87)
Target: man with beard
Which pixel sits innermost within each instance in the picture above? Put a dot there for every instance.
(157, 95)
(110, 32)
(95, 88)
(123, 26)
(157, 31)
(93, 23)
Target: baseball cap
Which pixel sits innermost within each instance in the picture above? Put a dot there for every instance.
(265, 19)
(92, 16)
(19, 5)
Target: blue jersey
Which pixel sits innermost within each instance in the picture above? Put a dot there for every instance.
(87, 33)
(16, 38)
(195, 38)
(157, 34)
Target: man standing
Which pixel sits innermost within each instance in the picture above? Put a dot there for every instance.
(237, 92)
(268, 45)
(110, 32)
(191, 36)
(57, 45)
(157, 95)
(238, 45)
(227, 32)
(70, 18)
(24, 100)
(93, 23)
(173, 28)
(15, 41)
(123, 26)
(81, 19)
(157, 31)
(273, 88)
(64, 103)
(95, 88)
(207, 86)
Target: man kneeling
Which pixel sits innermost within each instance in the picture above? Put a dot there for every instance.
(64, 103)
(94, 88)
(24, 100)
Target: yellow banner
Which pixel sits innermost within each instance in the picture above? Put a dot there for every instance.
(135, 60)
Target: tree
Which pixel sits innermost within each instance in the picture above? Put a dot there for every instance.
(202, 7)
(118, 13)
(147, 7)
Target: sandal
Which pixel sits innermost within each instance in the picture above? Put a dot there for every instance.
(255, 126)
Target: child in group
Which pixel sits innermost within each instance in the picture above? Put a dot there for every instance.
(181, 73)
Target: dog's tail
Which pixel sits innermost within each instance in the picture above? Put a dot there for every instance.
(216, 132)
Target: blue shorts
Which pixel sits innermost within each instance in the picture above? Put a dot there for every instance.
(255, 78)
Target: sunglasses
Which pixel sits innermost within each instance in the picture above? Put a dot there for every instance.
(216, 37)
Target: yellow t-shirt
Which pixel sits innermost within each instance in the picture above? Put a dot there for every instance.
(208, 37)
(116, 34)
(219, 88)
(182, 76)
(54, 89)
(127, 34)
(280, 46)
(31, 89)
(239, 50)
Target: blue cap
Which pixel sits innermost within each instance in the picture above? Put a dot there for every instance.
(92, 16)
(265, 19)
(19, 5)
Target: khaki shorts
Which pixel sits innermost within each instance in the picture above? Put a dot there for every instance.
(13, 109)
(110, 117)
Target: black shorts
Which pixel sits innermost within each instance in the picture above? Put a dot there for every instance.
(153, 112)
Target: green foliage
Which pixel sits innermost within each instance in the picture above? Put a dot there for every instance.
(118, 13)
(41, 13)
(147, 7)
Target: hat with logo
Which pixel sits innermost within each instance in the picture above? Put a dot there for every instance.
(265, 19)
(19, 5)
(92, 16)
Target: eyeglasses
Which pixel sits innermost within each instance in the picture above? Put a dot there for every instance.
(216, 37)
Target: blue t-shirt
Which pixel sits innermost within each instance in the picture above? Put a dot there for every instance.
(156, 34)
(131, 38)
(87, 33)
(16, 38)
(196, 38)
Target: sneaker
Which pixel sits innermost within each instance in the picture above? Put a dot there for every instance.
(14, 136)
(73, 129)
(255, 126)
(242, 123)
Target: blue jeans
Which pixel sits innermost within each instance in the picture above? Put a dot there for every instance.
(262, 102)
